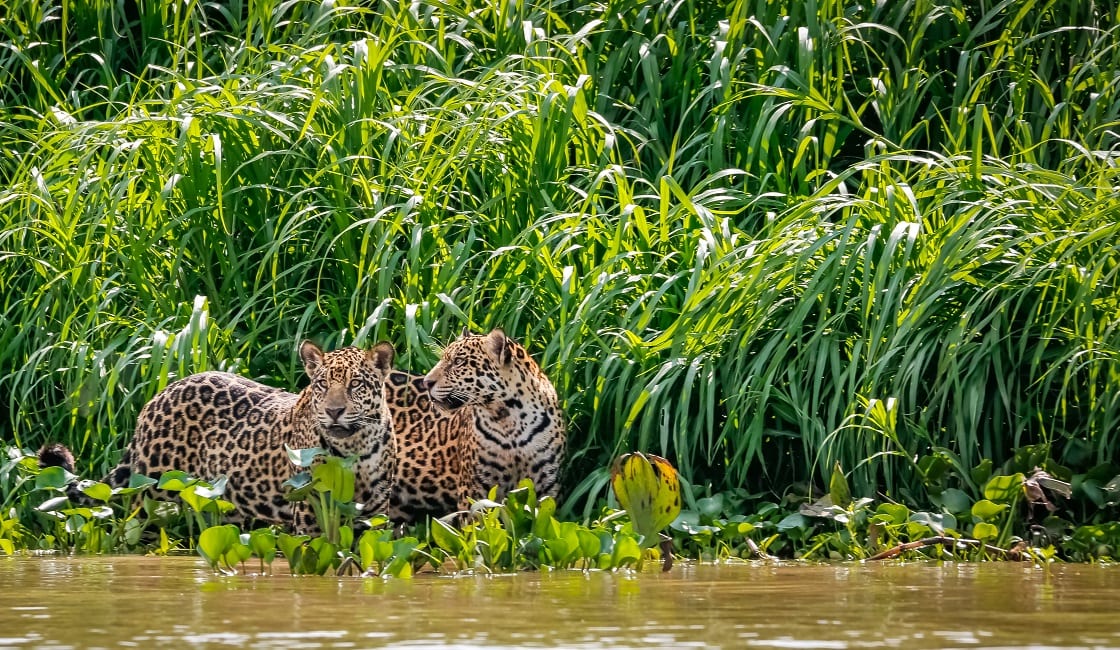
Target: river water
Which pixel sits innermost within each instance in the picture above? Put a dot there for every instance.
(145, 602)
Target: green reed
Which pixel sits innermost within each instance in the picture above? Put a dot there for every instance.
(732, 232)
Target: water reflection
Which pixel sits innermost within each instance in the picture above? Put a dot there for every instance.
(147, 602)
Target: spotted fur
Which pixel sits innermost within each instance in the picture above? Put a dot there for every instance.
(437, 452)
(490, 406)
(217, 423)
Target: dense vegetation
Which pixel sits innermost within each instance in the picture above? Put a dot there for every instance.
(755, 237)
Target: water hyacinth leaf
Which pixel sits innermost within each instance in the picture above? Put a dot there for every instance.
(954, 500)
(133, 528)
(304, 457)
(237, 553)
(589, 544)
(446, 537)
(365, 550)
(893, 513)
(545, 525)
(212, 490)
(1111, 490)
(560, 548)
(74, 523)
(985, 531)
(140, 481)
(216, 541)
(335, 476)
(937, 522)
(1004, 488)
(53, 478)
(493, 542)
(648, 489)
(483, 505)
(53, 504)
(838, 487)
(299, 486)
(982, 472)
(199, 503)
(985, 510)
(710, 507)
(375, 547)
(324, 553)
(292, 546)
(934, 467)
(262, 542)
(401, 564)
(793, 521)
(626, 552)
(96, 490)
(175, 481)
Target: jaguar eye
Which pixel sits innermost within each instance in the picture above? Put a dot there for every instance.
(459, 361)
(320, 384)
(356, 384)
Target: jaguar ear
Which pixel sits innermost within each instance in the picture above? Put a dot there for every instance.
(501, 346)
(466, 331)
(382, 355)
(311, 356)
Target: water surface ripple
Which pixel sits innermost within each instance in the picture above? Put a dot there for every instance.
(114, 602)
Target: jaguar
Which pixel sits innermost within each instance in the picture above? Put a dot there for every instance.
(214, 424)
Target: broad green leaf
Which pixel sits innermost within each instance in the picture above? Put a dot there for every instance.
(175, 481)
(984, 531)
(838, 487)
(215, 541)
(75, 523)
(545, 525)
(589, 545)
(626, 552)
(710, 507)
(792, 521)
(985, 510)
(96, 491)
(954, 500)
(446, 537)
(648, 489)
(896, 513)
(1004, 488)
(53, 478)
(139, 481)
(938, 522)
(237, 553)
(262, 541)
(333, 476)
(982, 472)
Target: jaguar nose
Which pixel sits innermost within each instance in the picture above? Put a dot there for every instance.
(334, 413)
(429, 382)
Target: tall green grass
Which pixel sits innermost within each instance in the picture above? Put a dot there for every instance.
(755, 237)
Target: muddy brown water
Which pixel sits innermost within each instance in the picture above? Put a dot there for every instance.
(145, 602)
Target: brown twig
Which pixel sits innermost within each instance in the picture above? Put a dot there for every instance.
(949, 543)
(666, 554)
(756, 552)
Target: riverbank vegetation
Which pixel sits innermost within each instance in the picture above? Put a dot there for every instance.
(758, 238)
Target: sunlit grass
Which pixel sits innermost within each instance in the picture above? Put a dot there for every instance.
(731, 234)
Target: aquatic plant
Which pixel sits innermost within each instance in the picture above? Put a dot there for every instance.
(755, 238)
(649, 491)
(997, 512)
